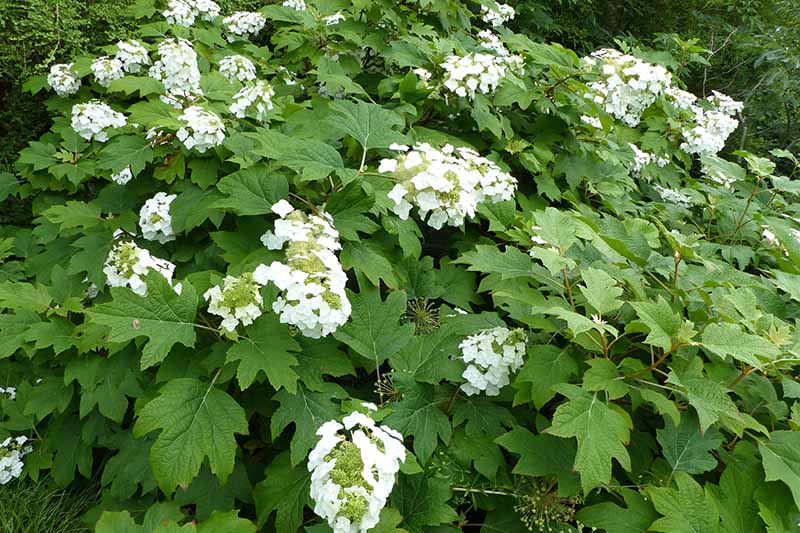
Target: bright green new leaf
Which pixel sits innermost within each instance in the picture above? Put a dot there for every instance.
(725, 339)
(600, 290)
(780, 456)
(370, 124)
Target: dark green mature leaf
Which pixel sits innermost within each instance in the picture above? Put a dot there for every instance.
(369, 124)
(542, 455)
(267, 347)
(8, 185)
(253, 190)
(374, 330)
(197, 421)
(307, 410)
(423, 502)
(780, 456)
(511, 263)
(314, 159)
(636, 517)
(285, 490)
(132, 151)
(685, 448)
(601, 431)
(418, 415)
(194, 206)
(14, 330)
(164, 317)
(368, 259)
(687, 509)
(546, 366)
(736, 496)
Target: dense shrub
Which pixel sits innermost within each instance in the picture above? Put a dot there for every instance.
(398, 268)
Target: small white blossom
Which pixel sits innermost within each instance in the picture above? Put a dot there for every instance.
(244, 23)
(63, 80)
(592, 121)
(628, 85)
(177, 69)
(491, 356)
(237, 67)
(448, 184)
(123, 176)
(155, 220)
(203, 129)
(92, 120)
(311, 280)
(498, 14)
(106, 70)
(353, 468)
(297, 5)
(12, 450)
(711, 126)
(255, 97)
(132, 55)
(641, 159)
(673, 196)
(466, 75)
(185, 12)
(11, 392)
(237, 301)
(336, 18)
(127, 265)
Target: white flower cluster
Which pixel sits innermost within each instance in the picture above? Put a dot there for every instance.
(123, 176)
(673, 196)
(238, 301)
(297, 5)
(592, 121)
(185, 12)
(353, 471)
(11, 392)
(132, 55)
(11, 453)
(492, 42)
(491, 355)
(63, 80)
(336, 18)
(497, 15)
(474, 72)
(203, 129)
(107, 69)
(641, 159)
(92, 119)
(237, 67)
(448, 183)
(628, 86)
(312, 280)
(243, 23)
(127, 265)
(712, 125)
(155, 220)
(177, 69)
(258, 96)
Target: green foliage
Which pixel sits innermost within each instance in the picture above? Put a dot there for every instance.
(658, 387)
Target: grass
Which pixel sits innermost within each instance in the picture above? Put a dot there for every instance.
(29, 507)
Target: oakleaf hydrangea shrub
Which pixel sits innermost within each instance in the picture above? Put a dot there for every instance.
(397, 266)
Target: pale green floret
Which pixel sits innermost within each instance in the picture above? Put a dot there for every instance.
(127, 257)
(241, 292)
(347, 473)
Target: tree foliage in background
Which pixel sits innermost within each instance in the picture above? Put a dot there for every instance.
(657, 291)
